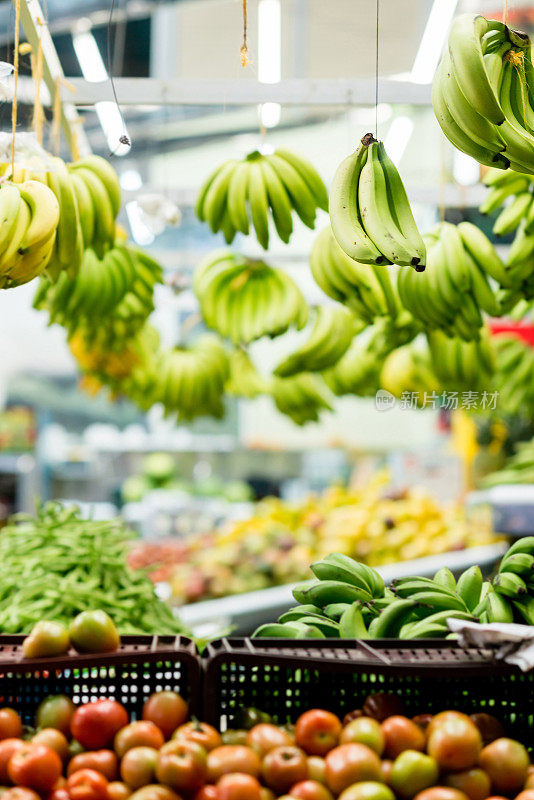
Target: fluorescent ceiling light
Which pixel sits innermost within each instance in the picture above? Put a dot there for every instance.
(437, 28)
(269, 41)
(141, 234)
(89, 58)
(465, 170)
(270, 114)
(110, 119)
(398, 137)
(94, 70)
(130, 180)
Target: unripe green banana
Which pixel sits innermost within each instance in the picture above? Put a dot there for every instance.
(509, 585)
(499, 609)
(391, 619)
(469, 586)
(351, 623)
(445, 578)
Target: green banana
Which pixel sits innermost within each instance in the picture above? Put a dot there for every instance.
(469, 586)
(351, 623)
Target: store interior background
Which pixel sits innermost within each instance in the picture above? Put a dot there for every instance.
(85, 448)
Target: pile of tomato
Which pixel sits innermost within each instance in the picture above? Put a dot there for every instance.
(94, 752)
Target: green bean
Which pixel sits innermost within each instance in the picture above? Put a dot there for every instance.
(56, 564)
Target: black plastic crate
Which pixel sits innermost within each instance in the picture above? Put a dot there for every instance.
(142, 665)
(286, 678)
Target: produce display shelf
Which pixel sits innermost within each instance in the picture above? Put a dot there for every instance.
(245, 612)
(512, 507)
(284, 679)
(141, 666)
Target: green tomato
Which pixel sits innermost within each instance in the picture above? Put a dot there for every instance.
(412, 772)
(47, 638)
(94, 632)
(365, 730)
(367, 790)
(56, 712)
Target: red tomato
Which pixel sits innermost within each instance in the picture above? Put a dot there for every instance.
(10, 724)
(283, 767)
(35, 766)
(402, 734)
(182, 766)
(238, 786)
(208, 792)
(317, 732)
(7, 748)
(351, 763)
(142, 733)
(199, 732)
(59, 794)
(94, 725)
(382, 705)
(104, 761)
(54, 739)
(506, 762)
(118, 791)
(87, 784)
(310, 790)
(167, 710)
(232, 758)
(475, 783)
(441, 793)
(138, 767)
(490, 728)
(455, 743)
(20, 793)
(265, 737)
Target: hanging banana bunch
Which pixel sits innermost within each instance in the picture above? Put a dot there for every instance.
(98, 197)
(244, 299)
(29, 215)
(88, 194)
(191, 379)
(245, 380)
(358, 370)
(367, 290)
(516, 191)
(514, 375)
(454, 288)
(115, 368)
(109, 300)
(409, 369)
(482, 94)
(243, 195)
(333, 330)
(301, 397)
(462, 366)
(369, 211)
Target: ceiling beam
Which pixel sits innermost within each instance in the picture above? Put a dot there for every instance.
(290, 92)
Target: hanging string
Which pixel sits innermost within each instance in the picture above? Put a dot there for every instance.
(15, 85)
(505, 12)
(122, 139)
(55, 131)
(38, 111)
(376, 71)
(245, 60)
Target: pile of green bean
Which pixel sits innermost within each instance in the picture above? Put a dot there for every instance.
(56, 564)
